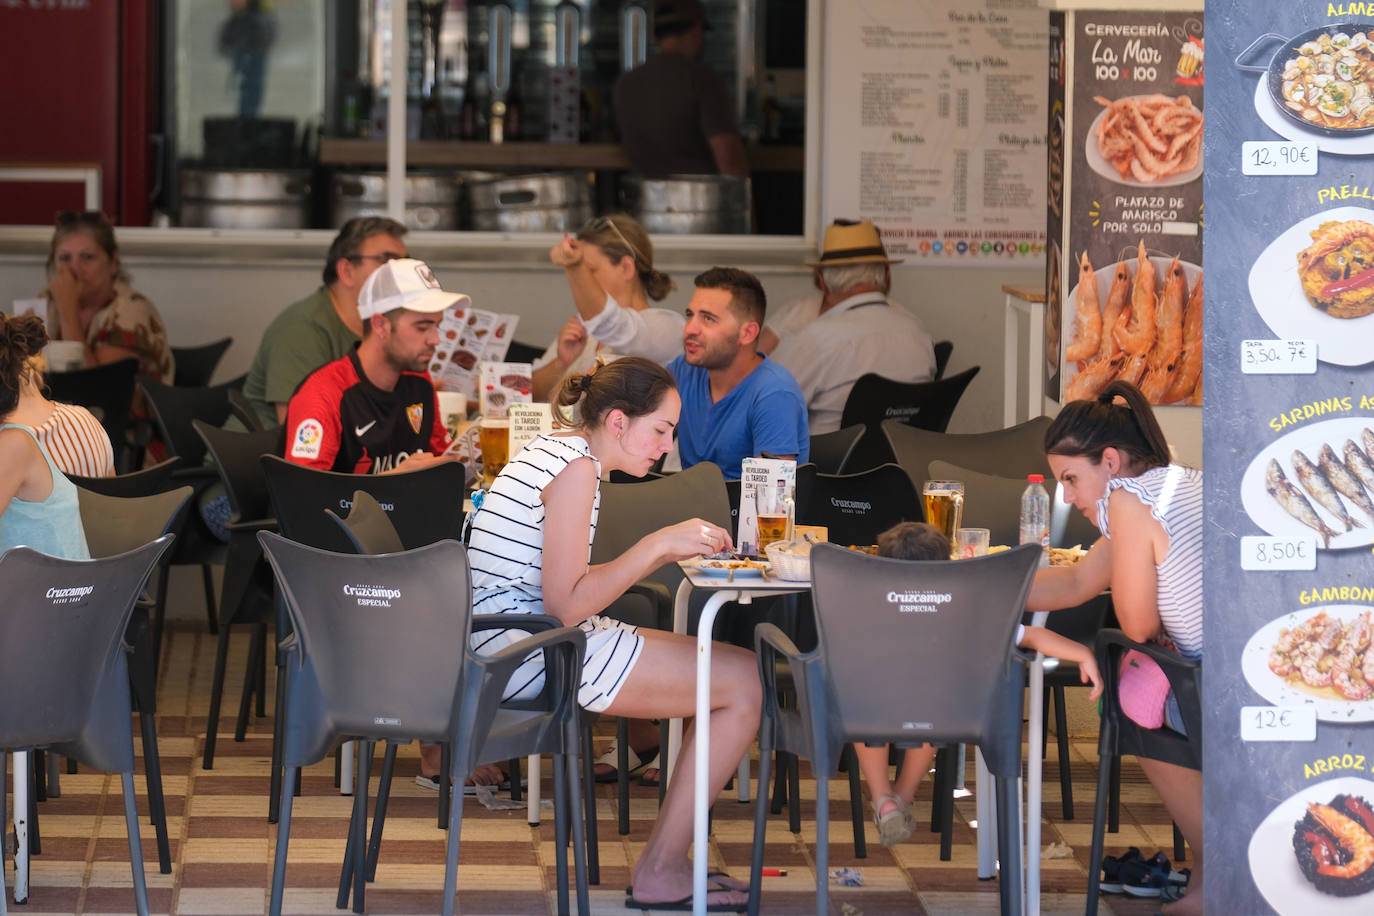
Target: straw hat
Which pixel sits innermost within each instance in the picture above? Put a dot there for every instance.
(850, 242)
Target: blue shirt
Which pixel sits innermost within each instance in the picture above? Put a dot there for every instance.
(763, 413)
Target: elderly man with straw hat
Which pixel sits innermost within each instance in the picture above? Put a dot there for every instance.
(855, 328)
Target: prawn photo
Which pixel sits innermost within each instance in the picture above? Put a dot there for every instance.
(1149, 138)
(1139, 320)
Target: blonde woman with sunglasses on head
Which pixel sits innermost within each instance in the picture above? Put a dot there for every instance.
(610, 269)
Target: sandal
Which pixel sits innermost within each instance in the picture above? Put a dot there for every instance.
(897, 825)
(1112, 869)
(636, 762)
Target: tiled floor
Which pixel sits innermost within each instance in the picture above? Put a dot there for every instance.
(222, 846)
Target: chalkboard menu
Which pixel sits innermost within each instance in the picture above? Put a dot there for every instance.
(1289, 457)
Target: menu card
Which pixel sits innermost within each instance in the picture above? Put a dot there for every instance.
(526, 422)
(1288, 706)
(767, 490)
(467, 337)
(502, 385)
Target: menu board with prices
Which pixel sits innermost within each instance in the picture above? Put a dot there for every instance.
(934, 131)
(767, 493)
(1124, 263)
(1289, 459)
(469, 336)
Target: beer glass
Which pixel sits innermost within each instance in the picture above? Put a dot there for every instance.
(493, 436)
(944, 505)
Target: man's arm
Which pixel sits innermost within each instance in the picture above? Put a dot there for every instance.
(313, 429)
(728, 151)
(778, 425)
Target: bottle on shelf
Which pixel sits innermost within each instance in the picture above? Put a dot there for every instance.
(1035, 516)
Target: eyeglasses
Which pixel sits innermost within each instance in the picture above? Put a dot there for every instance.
(379, 258)
(605, 222)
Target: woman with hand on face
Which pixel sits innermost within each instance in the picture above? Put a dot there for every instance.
(38, 504)
(531, 539)
(610, 270)
(1114, 465)
(90, 300)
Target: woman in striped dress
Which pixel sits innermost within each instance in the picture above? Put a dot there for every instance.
(530, 548)
(1115, 466)
(72, 436)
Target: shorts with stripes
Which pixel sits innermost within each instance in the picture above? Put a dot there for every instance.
(613, 647)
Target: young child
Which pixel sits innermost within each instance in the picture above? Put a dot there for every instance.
(892, 803)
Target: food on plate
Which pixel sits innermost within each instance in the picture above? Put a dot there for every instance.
(1168, 335)
(1153, 341)
(1290, 498)
(734, 564)
(871, 549)
(1150, 137)
(1087, 317)
(1328, 81)
(1116, 303)
(1315, 482)
(1327, 653)
(1334, 844)
(1188, 370)
(1337, 269)
(1067, 556)
(1343, 478)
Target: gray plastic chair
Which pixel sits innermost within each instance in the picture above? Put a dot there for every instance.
(1119, 735)
(856, 507)
(247, 587)
(628, 512)
(1012, 452)
(362, 627)
(369, 530)
(908, 652)
(876, 400)
(115, 525)
(64, 670)
(830, 451)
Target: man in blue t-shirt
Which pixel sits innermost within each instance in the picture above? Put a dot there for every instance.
(736, 402)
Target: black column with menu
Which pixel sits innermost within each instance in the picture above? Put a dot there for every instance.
(1289, 457)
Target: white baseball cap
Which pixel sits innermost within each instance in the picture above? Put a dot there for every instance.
(405, 283)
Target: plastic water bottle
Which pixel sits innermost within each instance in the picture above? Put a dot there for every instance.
(1035, 516)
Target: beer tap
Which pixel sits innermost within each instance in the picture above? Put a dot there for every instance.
(498, 66)
(634, 36)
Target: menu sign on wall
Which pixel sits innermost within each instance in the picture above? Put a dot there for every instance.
(1289, 457)
(1125, 284)
(935, 127)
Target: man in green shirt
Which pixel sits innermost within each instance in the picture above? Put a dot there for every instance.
(325, 325)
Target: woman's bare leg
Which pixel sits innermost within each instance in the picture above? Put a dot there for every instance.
(1181, 790)
(663, 684)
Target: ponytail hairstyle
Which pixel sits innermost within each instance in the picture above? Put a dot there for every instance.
(633, 385)
(1086, 428)
(21, 338)
(620, 236)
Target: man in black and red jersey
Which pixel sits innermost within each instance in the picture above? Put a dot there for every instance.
(373, 411)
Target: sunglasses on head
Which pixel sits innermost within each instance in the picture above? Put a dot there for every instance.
(65, 217)
(605, 222)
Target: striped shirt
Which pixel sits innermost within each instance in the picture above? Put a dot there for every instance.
(506, 551)
(78, 444)
(1174, 496)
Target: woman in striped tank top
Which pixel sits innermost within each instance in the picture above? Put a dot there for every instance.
(529, 550)
(1114, 466)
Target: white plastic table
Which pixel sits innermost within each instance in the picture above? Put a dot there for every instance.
(743, 590)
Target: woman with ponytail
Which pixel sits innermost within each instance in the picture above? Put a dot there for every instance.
(38, 506)
(1114, 465)
(610, 270)
(529, 547)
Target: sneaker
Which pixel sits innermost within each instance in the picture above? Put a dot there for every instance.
(1146, 878)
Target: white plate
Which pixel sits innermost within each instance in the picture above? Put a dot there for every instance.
(1274, 866)
(1104, 275)
(1266, 512)
(743, 572)
(1280, 301)
(1254, 662)
(1104, 167)
(1274, 119)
